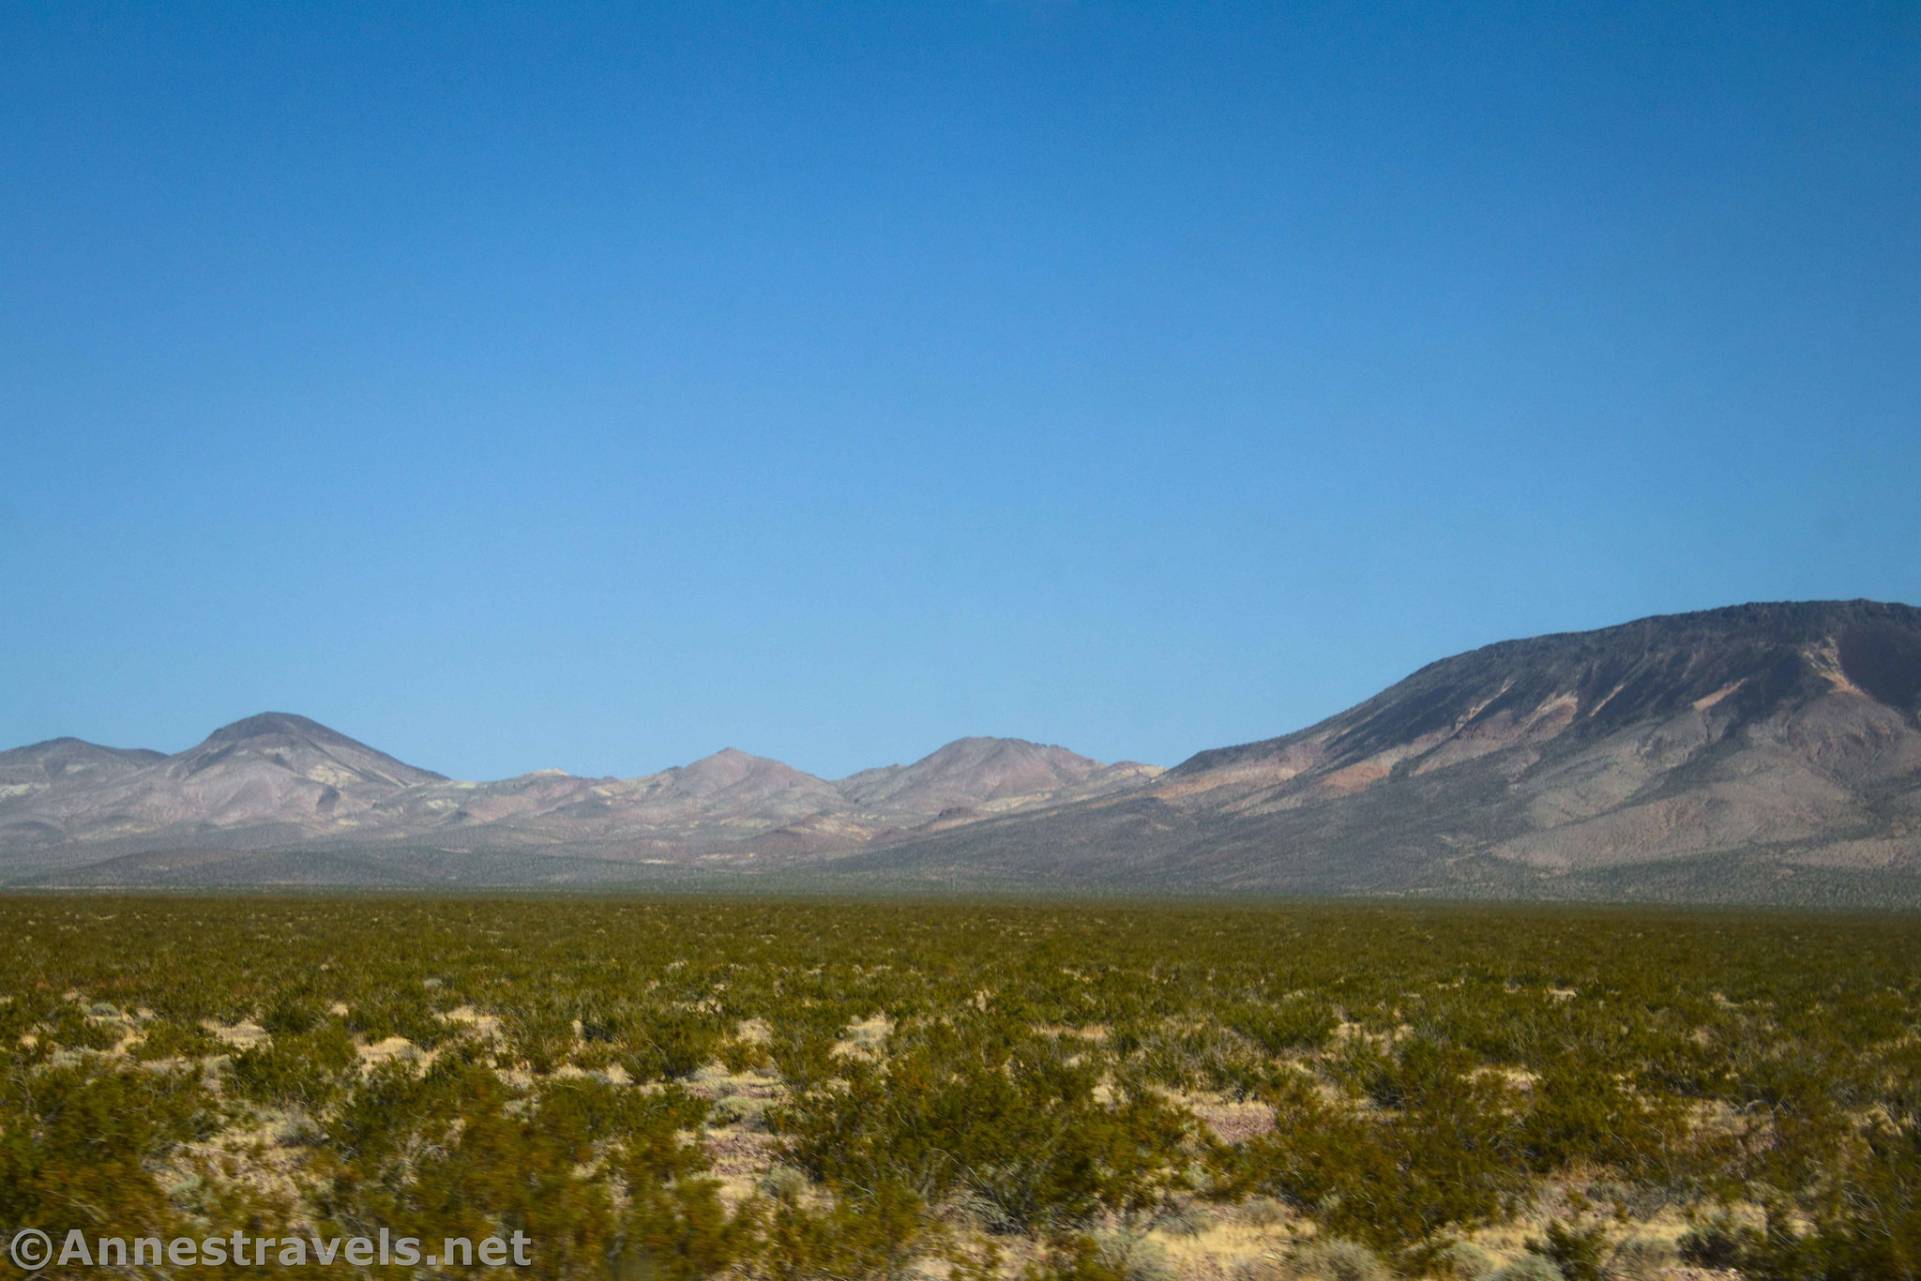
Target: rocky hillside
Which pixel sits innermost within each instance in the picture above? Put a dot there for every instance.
(275, 773)
(986, 774)
(63, 764)
(1756, 752)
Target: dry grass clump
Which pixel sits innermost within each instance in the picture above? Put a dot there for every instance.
(1641, 1259)
(1465, 1261)
(1529, 1267)
(1133, 1257)
(1337, 1260)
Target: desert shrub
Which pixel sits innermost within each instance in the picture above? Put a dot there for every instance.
(682, 1232)
(378, 1125)
(1581, 1112)
(659, 1137)
(804, 1056)
(305, 1070)
(1197, 1058)
(670, 1044)
(876, 1237)
(398, 1010)
(1184, 1219)
(462, 1154)
(1580, 1253)
(1022, 1130)
(1074, 1257)
(1446, 1158)
(1262, 1211)
(784, 1183)
(1656, 1059)
(541, 1037)
(79, 1146)
(1259, 1268)
(1640, 1259)
(1718, 1243)
(68, 1026)
(169, 1039)
(744, 1110)
(1465, 1261)
(739, 1055)
(1133, 1257)
(1283, 1026)
(290, 1014)
(1871, 1234)
(1338, 1260)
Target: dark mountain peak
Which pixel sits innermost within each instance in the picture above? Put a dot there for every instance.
(297, 744)
(66, 761)
(277, 725)
(730, 754)
(1758, 622)
(979, 746)
(732, 768)
(729, 761)
(969, 771)
(67, 747)
(65, 742)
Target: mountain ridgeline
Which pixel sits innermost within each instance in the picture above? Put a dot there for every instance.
(1761, 753)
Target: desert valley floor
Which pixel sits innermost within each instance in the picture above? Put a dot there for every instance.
(785, 1089)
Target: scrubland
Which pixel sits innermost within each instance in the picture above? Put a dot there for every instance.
(783, 1090)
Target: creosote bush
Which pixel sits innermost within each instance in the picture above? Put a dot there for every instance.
(684, 1088)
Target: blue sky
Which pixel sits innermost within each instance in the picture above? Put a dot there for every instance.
(594, 387)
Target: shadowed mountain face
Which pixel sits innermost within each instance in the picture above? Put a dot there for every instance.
(1750, 752)
(1762, 752)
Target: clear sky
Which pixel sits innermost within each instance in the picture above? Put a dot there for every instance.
(594, 387)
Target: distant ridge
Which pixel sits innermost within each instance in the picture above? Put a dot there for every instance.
(1756, 753)
(976, 771)
(278, 798)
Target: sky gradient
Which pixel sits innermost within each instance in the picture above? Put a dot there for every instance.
(595, 387)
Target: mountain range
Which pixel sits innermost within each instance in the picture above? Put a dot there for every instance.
(279, 798)
(1758, 753)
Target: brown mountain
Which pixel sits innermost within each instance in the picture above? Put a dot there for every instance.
(263, 799)
(1762, 751)
(37, 780)
(711, 811)
(29, 773)
(275, 770)
(986, 773)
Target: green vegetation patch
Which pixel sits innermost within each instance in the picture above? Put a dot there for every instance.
(690, 1088)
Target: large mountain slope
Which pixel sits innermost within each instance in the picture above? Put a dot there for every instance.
(1757, 752)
